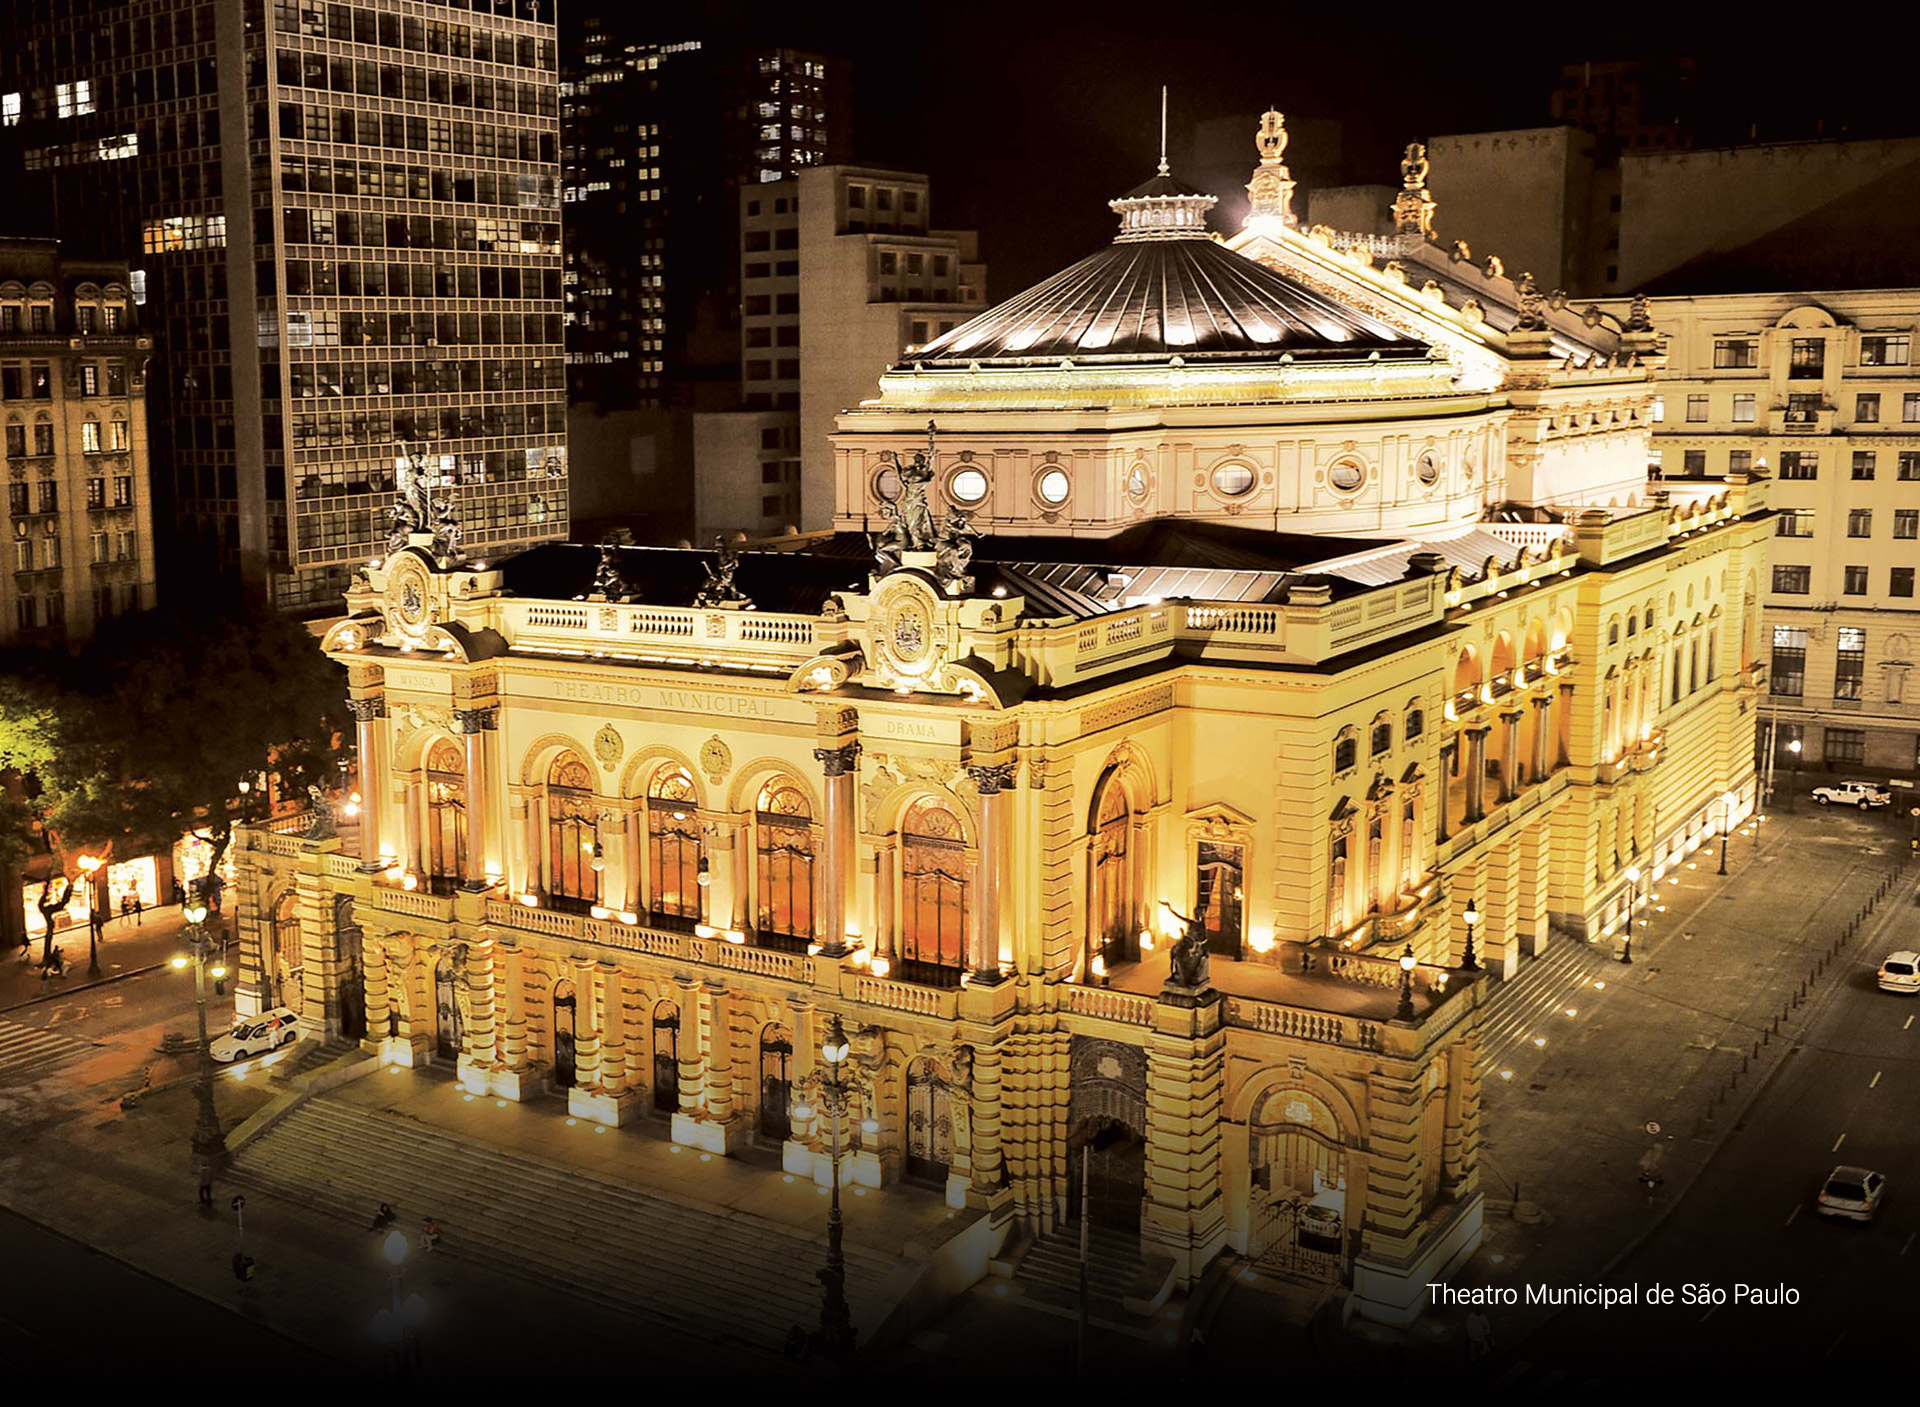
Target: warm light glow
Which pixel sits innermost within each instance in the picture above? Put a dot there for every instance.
(813, 950)
(196, 913)
(704, 930)
(1633, 874)
(1099, 966)
(218, 972)
(1407, 962)
(1794, 747)
(860, 957)
(881, 967)
(599, 911)
(1260, 939)
(629, 918)
(395, 1247)
(734, 935)
(352, 808)
(354, 797)
(410, 881)
(180, 960)
(532, 901)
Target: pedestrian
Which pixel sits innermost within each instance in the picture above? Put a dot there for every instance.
(138, 909)
(97, 922)
(126, 906)
(56, 965)
(176, 895)
(429, 1235)
(382, 1219)
(206, 1192)
(1479, 1334)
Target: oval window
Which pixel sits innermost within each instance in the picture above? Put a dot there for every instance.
(1427, 470)
(1137, 482)
(1346, 475)
(886, 484)
(1054, 487)
(1232, 480)
(968, 486)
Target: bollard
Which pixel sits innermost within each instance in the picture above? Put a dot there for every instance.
(1743, 1064)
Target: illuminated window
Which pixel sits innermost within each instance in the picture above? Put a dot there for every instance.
(673, 846)
(784, 860)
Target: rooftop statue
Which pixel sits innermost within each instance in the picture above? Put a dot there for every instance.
(1188, 962)
(1413, 167)
(609, 583)
(320, 824)
(955, 551)
(416, 509)
(1533, 307)
(719, 590)
(912, 518)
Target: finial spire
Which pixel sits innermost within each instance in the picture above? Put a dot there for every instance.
(1271, 188)
(1163, 129)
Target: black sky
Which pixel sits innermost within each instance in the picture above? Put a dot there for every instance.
(1030, 117)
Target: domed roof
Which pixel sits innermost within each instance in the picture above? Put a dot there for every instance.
(1165, 288)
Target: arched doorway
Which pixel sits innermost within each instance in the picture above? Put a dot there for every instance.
(563, 1036)
(666, 1057)
(929, 1123)
(446, 813)
(776, 1083)
(289, 961)
(1109, 1158)
(673, 848)
(1299, 1190)
(934, 896)
(352, 985)
(783, 868)
(571, 879)
(1113, 912)
(449, 1027)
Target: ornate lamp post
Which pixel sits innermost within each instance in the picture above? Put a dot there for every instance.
(1469, 960)
(836, 1320)
(399, 1327)
(209, 1143)
(1404, 1012)
(1633, 893)
(90, 867)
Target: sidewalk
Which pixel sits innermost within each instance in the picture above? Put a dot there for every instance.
(1565, 1140)
(128, 947)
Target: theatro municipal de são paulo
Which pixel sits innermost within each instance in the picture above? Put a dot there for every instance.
(1613, 1296)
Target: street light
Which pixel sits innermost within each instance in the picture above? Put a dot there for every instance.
(1726, 824)
(1404, 1012)
(90, 867)
(399, 1327)
(1794, 748)
(836, 1320)
(1472, 920)
(1633, 893)
(209, 1143)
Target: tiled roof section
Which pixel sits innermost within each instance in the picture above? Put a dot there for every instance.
(1468, 551)
(1164, 297)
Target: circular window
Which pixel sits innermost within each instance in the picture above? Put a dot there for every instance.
(1232, 480)
(1346, 475)
(1137, 482)
(968, 486)
(886, 484)
(1054, 486)
(1427, 470)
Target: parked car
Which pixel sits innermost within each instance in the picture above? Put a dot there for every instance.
(1900, 972)
(1854, 1193)
(256, 1035)
(1862, 794)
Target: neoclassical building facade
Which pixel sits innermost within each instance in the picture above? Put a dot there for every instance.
(1258, 655)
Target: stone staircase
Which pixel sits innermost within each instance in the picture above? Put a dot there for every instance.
(726, 1277)
(310, 1056)
(1050, 1271)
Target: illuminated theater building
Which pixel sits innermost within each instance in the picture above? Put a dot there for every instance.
(1317, 599)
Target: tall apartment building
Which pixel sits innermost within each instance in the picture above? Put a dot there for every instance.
(659, 137)
(842, 274)
(344, 220)
(1824, 390)
(79, 505)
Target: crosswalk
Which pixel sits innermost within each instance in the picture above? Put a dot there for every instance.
(30, 1052)
(1522, 1010)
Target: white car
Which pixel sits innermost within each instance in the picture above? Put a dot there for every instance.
(1900, 972)
(1854, 1193)
(1861, 794)
(256, 1035)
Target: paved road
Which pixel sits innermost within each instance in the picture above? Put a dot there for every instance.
(66, 1306)
(1846, 1094)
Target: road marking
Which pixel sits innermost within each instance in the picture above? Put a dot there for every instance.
(1909, 1023)
(1837, 1142)
(1876, 1079)
(1790, 1216)
(1909, 1245)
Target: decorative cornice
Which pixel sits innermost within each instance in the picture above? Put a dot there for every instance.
(476, 720)
(838, 761)
(990, 779)
(366, 710)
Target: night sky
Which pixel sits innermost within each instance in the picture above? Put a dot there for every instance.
(1030, 117)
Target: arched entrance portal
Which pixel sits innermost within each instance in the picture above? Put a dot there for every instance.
(1106, 1142)
(347, 962)
(289, 960)
(1299, 1187)
(776, 1084)
(449, 1026)
(666, 1058)
(929, 1123)
(563, 1036)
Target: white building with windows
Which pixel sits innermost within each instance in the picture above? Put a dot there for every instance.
(1822, 389)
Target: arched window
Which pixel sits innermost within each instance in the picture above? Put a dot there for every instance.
(783, 850)
(1633, 624)
(673, 845)
(934, 892)
(446, 812)
(666, 1057)
(1112, 912)
(1416, 724)
(1345, 752)
(1613, 632)
(289, 956)
(570, 833)
(1382, 739)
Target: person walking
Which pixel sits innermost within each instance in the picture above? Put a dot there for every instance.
(176, 895)
(126, 906)
(138, 909)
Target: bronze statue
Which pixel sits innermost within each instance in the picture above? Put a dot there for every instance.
(954, 549)
(719, 590)
(1188, 962)
(608, 584)
(1533, 308)
(320, 825)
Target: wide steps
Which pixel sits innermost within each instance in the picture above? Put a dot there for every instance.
(1051, 1273)
(724, 1276)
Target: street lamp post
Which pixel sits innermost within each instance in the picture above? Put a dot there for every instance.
(1793, 791)
(1633, 894)
(90, 867)
(1726, 824)
(399, 1327)
(209, 1143)
(1469, 960)
(836, 1320)
(1404, 1012)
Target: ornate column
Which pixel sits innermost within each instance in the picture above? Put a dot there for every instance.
(533, 837)
(586, 1045)
(1509, 753)
(723, 889)
(407, 793)
(604, 1093)
(610, 833)
(1542, 722)
(991, 780)
(474, 724)
(839, 764)
(373, 961)
(367, 714)
(483, 1051)
(885, 860)
(613, 1036)
(1448, 750)
(1476, 774)
(985, 1145)
(797, 1153)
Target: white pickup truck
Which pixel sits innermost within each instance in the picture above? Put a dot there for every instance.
(1865, 795)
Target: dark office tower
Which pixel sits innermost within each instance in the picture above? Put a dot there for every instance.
(344, 221)
(659, 138)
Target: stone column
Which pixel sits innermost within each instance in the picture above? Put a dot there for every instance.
(606, 1097)
(985, 1147)
(410, 803)
(840, 765)
(367, 714)
(472, 724)
(720, 1091)
(586, 1045)
(1509, 754)
(534, 833)
(885, 860)
(1476, 774)
(1184, 1214)
(1445, 788)
(1542, 723)
(723, 887)
(610, 833)
(373, 963)
(797, 1154)
(991, 780)
(482, 1051)
(613, 1035)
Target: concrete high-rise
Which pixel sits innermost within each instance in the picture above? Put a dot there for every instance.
(344, 222)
